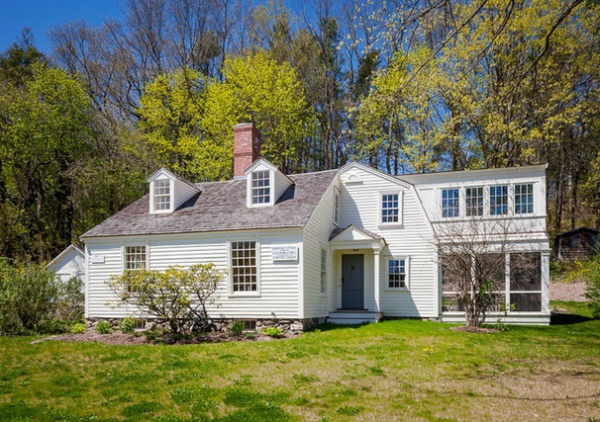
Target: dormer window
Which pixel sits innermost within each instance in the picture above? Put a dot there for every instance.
(261, 187)
(162, 195)
(168, 192)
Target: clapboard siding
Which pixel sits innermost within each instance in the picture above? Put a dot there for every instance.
(316, 237)
(279, 281)
(360, 205)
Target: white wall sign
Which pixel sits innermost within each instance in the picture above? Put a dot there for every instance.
(285, 253)
(97, 259)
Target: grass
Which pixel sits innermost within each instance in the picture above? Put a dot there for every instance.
(396, 370)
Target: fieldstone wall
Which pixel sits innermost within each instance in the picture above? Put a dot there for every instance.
(293, 326)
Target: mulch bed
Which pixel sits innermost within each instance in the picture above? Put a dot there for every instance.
(129, 340)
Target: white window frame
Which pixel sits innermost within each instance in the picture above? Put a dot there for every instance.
(527, 213)
(460, 199)
(508, 195)
(400, 208)
(336, 206)
(135, 245)
(153, 209)
(250, 189)
(406, 260)
(232, 291)
(324, 265)
(483, 201)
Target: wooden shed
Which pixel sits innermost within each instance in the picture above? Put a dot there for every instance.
(575, 244)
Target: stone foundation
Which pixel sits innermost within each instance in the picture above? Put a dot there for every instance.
(293, 326)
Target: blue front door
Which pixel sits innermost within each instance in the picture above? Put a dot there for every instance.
(353, 289)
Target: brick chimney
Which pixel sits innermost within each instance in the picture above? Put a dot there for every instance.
(246, 147)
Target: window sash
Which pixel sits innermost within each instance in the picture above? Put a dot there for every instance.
(261, 187)
(474, 201)
(450, 203)
(390, 207)
(162, 195)
(499, 200)
(244, 266)
(524, 199)
(397, 273)
(135, 257)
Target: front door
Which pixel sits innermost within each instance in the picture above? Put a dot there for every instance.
(353, 281)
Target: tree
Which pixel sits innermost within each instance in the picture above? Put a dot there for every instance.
(46, 128)
(473, 257)
(177, 296)
(258, 89)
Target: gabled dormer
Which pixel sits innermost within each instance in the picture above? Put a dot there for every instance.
(168, 191)
(264, 184)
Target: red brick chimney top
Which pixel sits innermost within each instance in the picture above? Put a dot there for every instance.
(246, 147)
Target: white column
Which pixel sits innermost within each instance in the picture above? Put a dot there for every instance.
(545, 282)
(377, 281)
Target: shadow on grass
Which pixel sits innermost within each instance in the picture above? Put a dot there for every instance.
(567, 319)
(329, 327)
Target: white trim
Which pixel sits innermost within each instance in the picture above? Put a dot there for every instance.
(126, 245)
(249, 188)
(406, 259)
(400, 221)
(231, 293)
(64, 252)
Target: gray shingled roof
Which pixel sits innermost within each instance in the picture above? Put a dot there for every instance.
(221, 206)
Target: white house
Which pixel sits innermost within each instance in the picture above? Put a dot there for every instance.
(69, 263)
(346, 245)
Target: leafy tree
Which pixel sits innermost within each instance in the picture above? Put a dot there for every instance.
(46, 128)
(171, 112)
(258, 89)
(177, 296)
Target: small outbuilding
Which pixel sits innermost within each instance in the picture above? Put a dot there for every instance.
(69, 263)
(575, 244)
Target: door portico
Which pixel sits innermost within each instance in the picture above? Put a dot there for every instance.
(357, 251)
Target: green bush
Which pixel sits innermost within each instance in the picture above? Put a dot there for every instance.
(127, 325)
(273, 332)
(237, 327)
(589, 271)
(79, 328)
(103, 327)
(29, 295)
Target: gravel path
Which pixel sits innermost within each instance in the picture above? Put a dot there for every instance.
(572, 291)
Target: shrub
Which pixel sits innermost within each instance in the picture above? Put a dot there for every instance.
(28, 298)
(71, 299)
(177, 295)
(127, 325)
(589, 271)
(79, 328)
(104, 327)
(273, 332)
(237, 327)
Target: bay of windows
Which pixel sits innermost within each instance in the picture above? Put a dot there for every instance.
(497, 200)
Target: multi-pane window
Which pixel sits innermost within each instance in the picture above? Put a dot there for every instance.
(524, 199)
(389, 208)
(396, 273)
(162, 194)
(499, 200)
(474, 201)
(323, 270)
(450, 203)
(261, 187)
(135, 257)
(243, 266)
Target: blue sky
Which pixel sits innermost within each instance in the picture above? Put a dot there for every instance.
(43, 15)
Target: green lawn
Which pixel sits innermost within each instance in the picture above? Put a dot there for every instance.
(397, 370)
